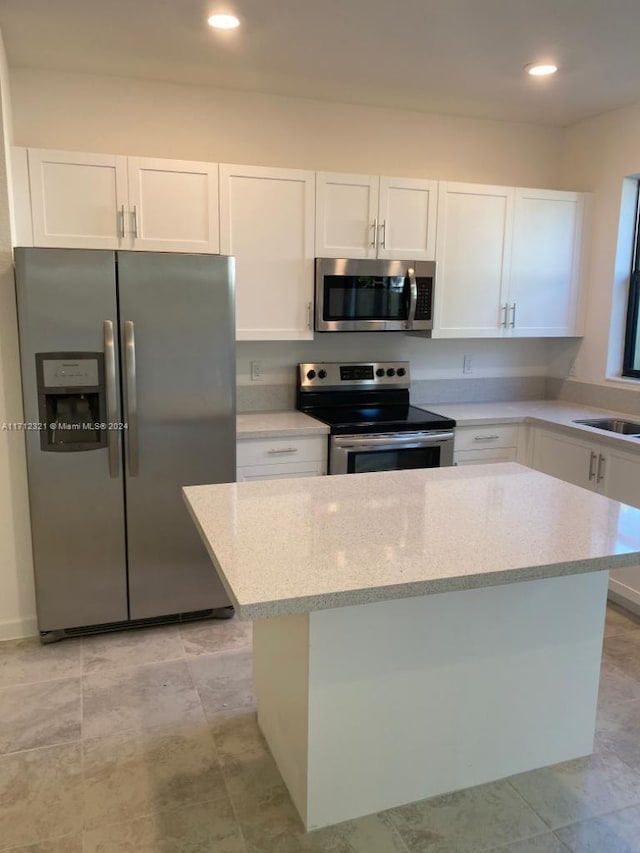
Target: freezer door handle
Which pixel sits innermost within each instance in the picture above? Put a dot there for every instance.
(131, 400)
(112, 397)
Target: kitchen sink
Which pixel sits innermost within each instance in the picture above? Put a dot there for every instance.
(614, 425)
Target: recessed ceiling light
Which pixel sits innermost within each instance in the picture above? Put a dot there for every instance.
(541, 70)
(223, 22)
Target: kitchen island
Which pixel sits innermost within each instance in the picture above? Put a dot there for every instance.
(418, 632)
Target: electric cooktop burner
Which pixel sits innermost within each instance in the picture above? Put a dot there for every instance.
(363, 398)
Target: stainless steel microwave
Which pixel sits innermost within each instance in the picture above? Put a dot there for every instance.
(374, 295)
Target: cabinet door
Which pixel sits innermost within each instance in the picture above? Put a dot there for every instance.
(346, 216)
(622, 483)
(566, 458)
(545, 264)
(473, 246)
(173, 205)
(266, 222)
(407, 219)
(77, 200)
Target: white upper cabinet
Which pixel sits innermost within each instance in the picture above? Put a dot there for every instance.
(407, 210)
(346, 215)
(266, 222)
(508, 262)
(364, 216)
(103, 201)
(472, 260)
(545, 263)
(77, 200)
(173, 205)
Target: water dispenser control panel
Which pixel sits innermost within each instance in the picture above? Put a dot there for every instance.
(71, 401)
(68, 373)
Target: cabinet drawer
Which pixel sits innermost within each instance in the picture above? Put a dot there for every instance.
(285, 470)
(275, 451)
(481, 437)
(484, 457)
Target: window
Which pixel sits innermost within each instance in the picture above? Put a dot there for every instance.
(631, 363)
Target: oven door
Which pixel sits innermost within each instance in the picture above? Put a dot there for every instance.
(373, 296)
(358, 454)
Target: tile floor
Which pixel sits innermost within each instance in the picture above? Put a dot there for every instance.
(146, 742)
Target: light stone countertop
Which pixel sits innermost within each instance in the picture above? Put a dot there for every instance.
(551, 413)
(274, 424)
(298, 545)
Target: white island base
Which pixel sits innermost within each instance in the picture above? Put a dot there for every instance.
(372, 706)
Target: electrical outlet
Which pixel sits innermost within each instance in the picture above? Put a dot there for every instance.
(572, 368)
(467, 364)
(256, 371)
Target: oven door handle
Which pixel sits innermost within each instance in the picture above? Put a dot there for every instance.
(392, 442)
(413, 297)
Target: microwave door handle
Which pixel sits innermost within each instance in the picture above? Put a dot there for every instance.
(413, 297)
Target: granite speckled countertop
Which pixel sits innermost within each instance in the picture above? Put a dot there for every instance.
(551, 413)
(298, 545)
(274, 424)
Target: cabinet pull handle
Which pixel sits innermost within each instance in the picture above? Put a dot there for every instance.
(601, 464)
(486, 437)
(309, 315)
(384, 233)
(374, 241)
(284, 450)
(592, 466)
(505, 309)
(513, 316)
(134, 216)
(121, 222)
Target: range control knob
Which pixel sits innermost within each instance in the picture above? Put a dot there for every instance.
(391, 371)
(311, 374)
(380, 371)
(322, 374)
(401, 371)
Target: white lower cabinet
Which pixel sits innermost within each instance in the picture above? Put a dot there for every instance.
(485, 444)
(568, 458)
(277, 458)
(601, 468)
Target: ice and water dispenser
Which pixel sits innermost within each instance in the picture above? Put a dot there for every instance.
(71, 401)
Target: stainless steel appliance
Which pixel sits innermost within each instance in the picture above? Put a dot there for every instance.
(373, 427)
(128, 377)
(374, 295)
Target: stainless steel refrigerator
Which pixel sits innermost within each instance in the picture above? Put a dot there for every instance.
(128, 377)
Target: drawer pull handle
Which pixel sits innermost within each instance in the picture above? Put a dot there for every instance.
(486, 437)
(284, 450)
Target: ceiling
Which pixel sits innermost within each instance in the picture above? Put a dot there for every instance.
(463, 57)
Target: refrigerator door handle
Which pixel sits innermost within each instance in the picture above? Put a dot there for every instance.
(112, 397)
(131, 397)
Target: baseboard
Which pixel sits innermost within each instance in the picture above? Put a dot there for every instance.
(16, 629)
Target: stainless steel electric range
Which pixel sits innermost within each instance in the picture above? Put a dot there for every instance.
(373, 426)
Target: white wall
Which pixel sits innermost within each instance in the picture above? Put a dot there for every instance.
(430, 359)
(128, 116)
(17, 605)
(600, 155)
